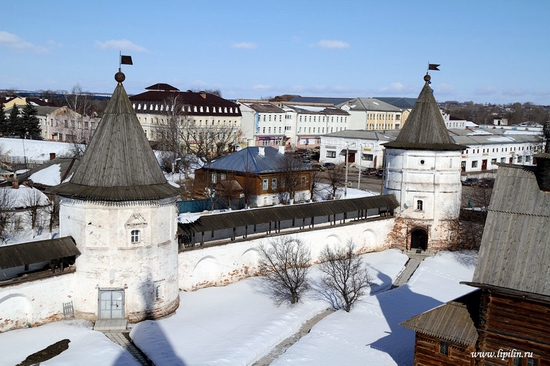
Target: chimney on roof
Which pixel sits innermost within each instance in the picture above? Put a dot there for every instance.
(282, 149)
(542, 171)
(261, 151)
(202, 94)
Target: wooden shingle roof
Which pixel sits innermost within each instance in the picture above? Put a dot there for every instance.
(453, 322)
(118, 164)
(515, 249)
(280, 213)
(36, 252)
(425, 128)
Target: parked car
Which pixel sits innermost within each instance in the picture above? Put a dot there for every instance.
(329, 165)
(487, 182)
(470, 182)
(369, 171)
(318, 167)
(380, 173)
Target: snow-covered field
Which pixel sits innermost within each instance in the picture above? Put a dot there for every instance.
(238, 324)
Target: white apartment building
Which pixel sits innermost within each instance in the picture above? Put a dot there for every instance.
(487, 147)
(64, 124)
(200, 110)
(373, 114)
(291, 124)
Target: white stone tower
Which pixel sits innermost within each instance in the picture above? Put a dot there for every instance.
(121, 212)
(422, 170)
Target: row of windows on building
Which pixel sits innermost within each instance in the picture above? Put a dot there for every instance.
(66, 124)
(265, 181)
(303, 118)
(185, 109)
(382, 116)
(503, 149)
(193, 122)
(503, 160)
(383, 126)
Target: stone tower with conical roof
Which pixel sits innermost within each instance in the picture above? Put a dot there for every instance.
(422, 170)
(121, 212)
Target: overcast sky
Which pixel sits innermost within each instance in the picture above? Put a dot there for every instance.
(494, 51)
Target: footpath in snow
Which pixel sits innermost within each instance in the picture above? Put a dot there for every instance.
(238, 324)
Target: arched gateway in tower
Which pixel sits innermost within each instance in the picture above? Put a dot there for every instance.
(422, 170)
(121, 212)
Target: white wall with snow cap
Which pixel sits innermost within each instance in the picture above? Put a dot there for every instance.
(224, 264)
(35, 302)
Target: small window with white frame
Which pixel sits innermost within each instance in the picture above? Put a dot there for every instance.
(135, 236)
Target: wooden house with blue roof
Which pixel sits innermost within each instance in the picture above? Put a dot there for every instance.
(263, 176)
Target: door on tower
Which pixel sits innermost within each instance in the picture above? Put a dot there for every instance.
(111, 304)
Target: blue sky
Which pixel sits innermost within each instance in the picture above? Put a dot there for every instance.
(490, 51)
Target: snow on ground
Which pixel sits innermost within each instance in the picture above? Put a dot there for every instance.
(87, 347)
(238, 324)
(50, 176)
(370, 334)
(34, 149)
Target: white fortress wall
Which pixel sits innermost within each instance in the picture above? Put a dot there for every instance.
(219, 265)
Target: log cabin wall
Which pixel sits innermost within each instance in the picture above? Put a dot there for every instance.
(513, 322)
(428, 351)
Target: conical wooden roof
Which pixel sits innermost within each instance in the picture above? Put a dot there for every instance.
(425, 128)
(119, 164)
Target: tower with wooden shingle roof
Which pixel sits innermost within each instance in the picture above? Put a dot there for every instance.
(121, 212)
(423, 171)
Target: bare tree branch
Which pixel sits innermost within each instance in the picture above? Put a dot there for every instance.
(284, 265)
(346, 277)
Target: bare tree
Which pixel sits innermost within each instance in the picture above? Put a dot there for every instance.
(284, 264)
(290, 169)
(6, 207)
(4, 161)
(229, 189)
(249, 187)
(315, 186)
(78, 100)
(180, 134)
(335, 178)
(473, 215)
(34, 203)
(346, 277)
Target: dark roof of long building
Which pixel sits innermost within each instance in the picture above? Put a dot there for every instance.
(118, 164)
(252, 160)
(399, 102)
(515, 249)
(279, 213)
(153, 101)
(425, 128)
(37, 251)
(331, 100)
(455, 321)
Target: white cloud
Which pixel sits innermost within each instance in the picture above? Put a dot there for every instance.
(487, 90)
(120, 45)
(515, 92)
(261, 87)
(444, 89)
(325, 43)
(245, 45)
(397, 87)
(14, 42)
